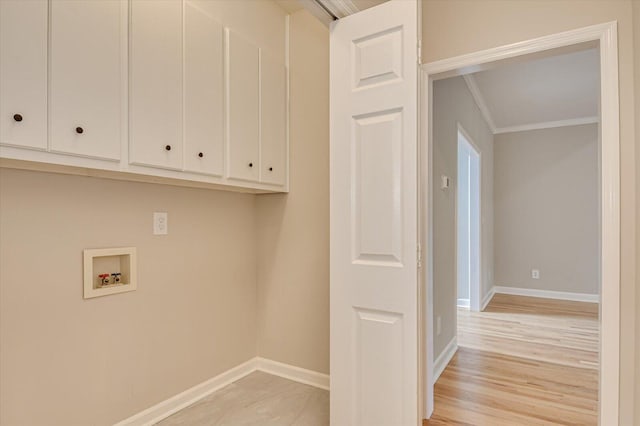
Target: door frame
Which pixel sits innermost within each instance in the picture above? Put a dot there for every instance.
(474, 289)
(605, 37)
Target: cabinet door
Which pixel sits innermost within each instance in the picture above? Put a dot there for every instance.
(155, 100)
(23, 73)
(243, 108)
(86, 77)
(203, 92)
(273, 121)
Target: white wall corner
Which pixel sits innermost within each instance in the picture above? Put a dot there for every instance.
(479, 99)
(444, 358)
(297, 374)
(487, 298)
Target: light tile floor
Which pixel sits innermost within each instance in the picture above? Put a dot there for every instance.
(258, 399)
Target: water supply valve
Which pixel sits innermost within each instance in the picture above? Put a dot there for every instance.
(104, 279)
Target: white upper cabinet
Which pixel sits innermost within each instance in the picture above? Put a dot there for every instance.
(179, 89)
(23, 73)
(273, 121)
(203, 92)
(243, 108)
(155, 92)
(86, 77)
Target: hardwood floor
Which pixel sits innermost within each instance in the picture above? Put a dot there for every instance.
(524, 361)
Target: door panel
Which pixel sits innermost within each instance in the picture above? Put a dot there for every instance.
(243, 108)
(273, 120)
(155, 90)
(86, 77)
(203, 92)
(374, 291)
(23, 73)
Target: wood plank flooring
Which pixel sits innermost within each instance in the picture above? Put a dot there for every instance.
(524, 361)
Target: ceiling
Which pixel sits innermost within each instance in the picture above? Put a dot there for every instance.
(548, 92)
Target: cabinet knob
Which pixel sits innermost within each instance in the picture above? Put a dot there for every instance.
(250, 164)
(270, 169)
(168, 147)
(200, 155)
(17, 117)
(79, 130)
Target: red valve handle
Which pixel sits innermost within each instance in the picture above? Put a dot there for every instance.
(103, 275)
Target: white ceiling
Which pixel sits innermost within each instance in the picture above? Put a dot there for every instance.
(547, 92)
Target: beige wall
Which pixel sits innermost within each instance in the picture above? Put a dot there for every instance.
(636, 32)
(454, 27)
(546, 209)
(293, 229)
(453, 104)
(69, 361)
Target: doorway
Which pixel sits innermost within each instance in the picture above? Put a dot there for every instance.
(601, 37)
(468, 213)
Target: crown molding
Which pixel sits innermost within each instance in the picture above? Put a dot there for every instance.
(548, 125)
(477, 97)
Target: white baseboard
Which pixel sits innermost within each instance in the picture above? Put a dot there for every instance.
(487, 298)
(463, 303)
(297, 374)
(548, 294)
(444, 358)
(165, 408)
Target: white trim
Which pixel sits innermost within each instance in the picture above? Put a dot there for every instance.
(297, 374)
(169, 406)
(605, 35)
(481, 104)
(547, 294)
(463, 303)
(547, 125)
(445, 358)
(164, 409)
(487, 298)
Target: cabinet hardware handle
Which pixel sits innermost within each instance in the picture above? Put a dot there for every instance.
(270, 169)
(17, 117)
(250, 164)
(168, 147)
(79, 130)
(200, 155)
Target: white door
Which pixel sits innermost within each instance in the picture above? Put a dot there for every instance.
(243, 108)
(273, 120)
(86, 77)
(374, 286)
(155, 86)
(23, 73)
(203, 91)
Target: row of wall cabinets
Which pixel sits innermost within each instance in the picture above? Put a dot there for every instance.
(150, 87)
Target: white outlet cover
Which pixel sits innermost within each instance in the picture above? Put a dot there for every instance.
(535, 274)
(160, 223)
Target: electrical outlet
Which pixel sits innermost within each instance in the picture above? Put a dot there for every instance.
(160, 223)
(535, 274)
(438, 325)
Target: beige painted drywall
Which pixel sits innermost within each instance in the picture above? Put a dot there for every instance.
(455, 27)
(636, 33)
(546, 209)
(453, 104)
(69, 361)
(293, 229)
